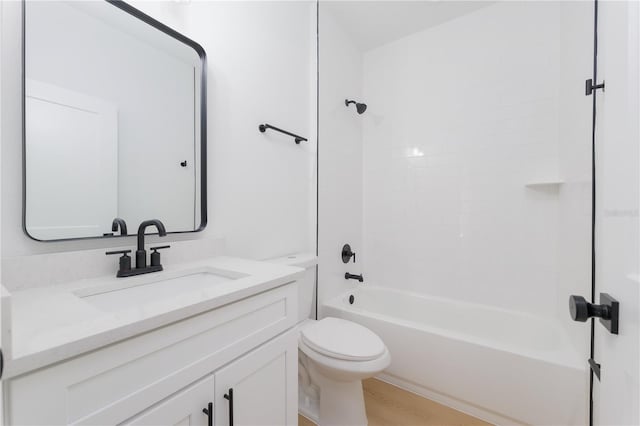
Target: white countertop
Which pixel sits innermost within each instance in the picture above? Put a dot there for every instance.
(47, 325)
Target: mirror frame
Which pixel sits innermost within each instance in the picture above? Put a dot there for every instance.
(127, 8)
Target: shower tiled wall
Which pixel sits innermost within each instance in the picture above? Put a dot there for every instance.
(477, 158)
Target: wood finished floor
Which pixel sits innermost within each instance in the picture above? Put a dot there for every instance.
(388, 405)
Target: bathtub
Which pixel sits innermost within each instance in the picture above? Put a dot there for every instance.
(502, 366)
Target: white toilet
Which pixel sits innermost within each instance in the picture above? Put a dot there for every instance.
(334, 355)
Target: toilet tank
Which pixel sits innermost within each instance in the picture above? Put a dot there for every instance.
(306, 284)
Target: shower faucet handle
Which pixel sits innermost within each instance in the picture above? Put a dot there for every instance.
(347, 254)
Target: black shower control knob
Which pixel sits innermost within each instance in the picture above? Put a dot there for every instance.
(347, 254)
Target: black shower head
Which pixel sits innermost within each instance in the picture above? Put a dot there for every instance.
(359, 107)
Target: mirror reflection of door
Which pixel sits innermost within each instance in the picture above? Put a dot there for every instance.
(86, 182)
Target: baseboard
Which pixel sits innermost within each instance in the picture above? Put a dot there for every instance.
(456, 404)
(308, 408)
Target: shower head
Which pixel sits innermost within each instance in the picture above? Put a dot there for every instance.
(359, 107)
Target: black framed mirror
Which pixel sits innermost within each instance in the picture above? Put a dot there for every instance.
(114, 122)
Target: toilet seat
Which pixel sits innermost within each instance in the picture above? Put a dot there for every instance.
(342, 340)
(343, 370)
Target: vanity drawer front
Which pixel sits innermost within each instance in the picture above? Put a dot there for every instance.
(113, 384)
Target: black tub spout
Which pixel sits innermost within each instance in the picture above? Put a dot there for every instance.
(348, 276)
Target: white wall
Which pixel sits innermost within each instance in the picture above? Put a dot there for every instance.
(340, 156)
(260, 70)
(461, 118)
(261, 187)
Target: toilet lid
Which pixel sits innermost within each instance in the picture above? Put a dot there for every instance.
(341, 339)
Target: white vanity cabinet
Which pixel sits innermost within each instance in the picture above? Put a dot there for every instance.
(258, 388)
(168, 375)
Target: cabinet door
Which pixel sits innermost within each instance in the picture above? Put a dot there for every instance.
(182, 409)
(260, 388)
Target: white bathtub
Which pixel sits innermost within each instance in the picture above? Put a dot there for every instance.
(502, 366)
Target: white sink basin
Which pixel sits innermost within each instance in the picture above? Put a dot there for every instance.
(144, 289)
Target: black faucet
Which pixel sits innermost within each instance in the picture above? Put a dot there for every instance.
(141, 254)
(348, 276)
(119, 223)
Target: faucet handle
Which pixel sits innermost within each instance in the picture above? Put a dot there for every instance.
(123, 252)
(155, 256)
(125, 260)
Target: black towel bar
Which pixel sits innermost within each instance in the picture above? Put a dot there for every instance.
(263, 128)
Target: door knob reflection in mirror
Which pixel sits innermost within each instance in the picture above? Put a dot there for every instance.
(608, 311)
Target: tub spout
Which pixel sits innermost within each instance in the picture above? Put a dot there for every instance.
(348, 276)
